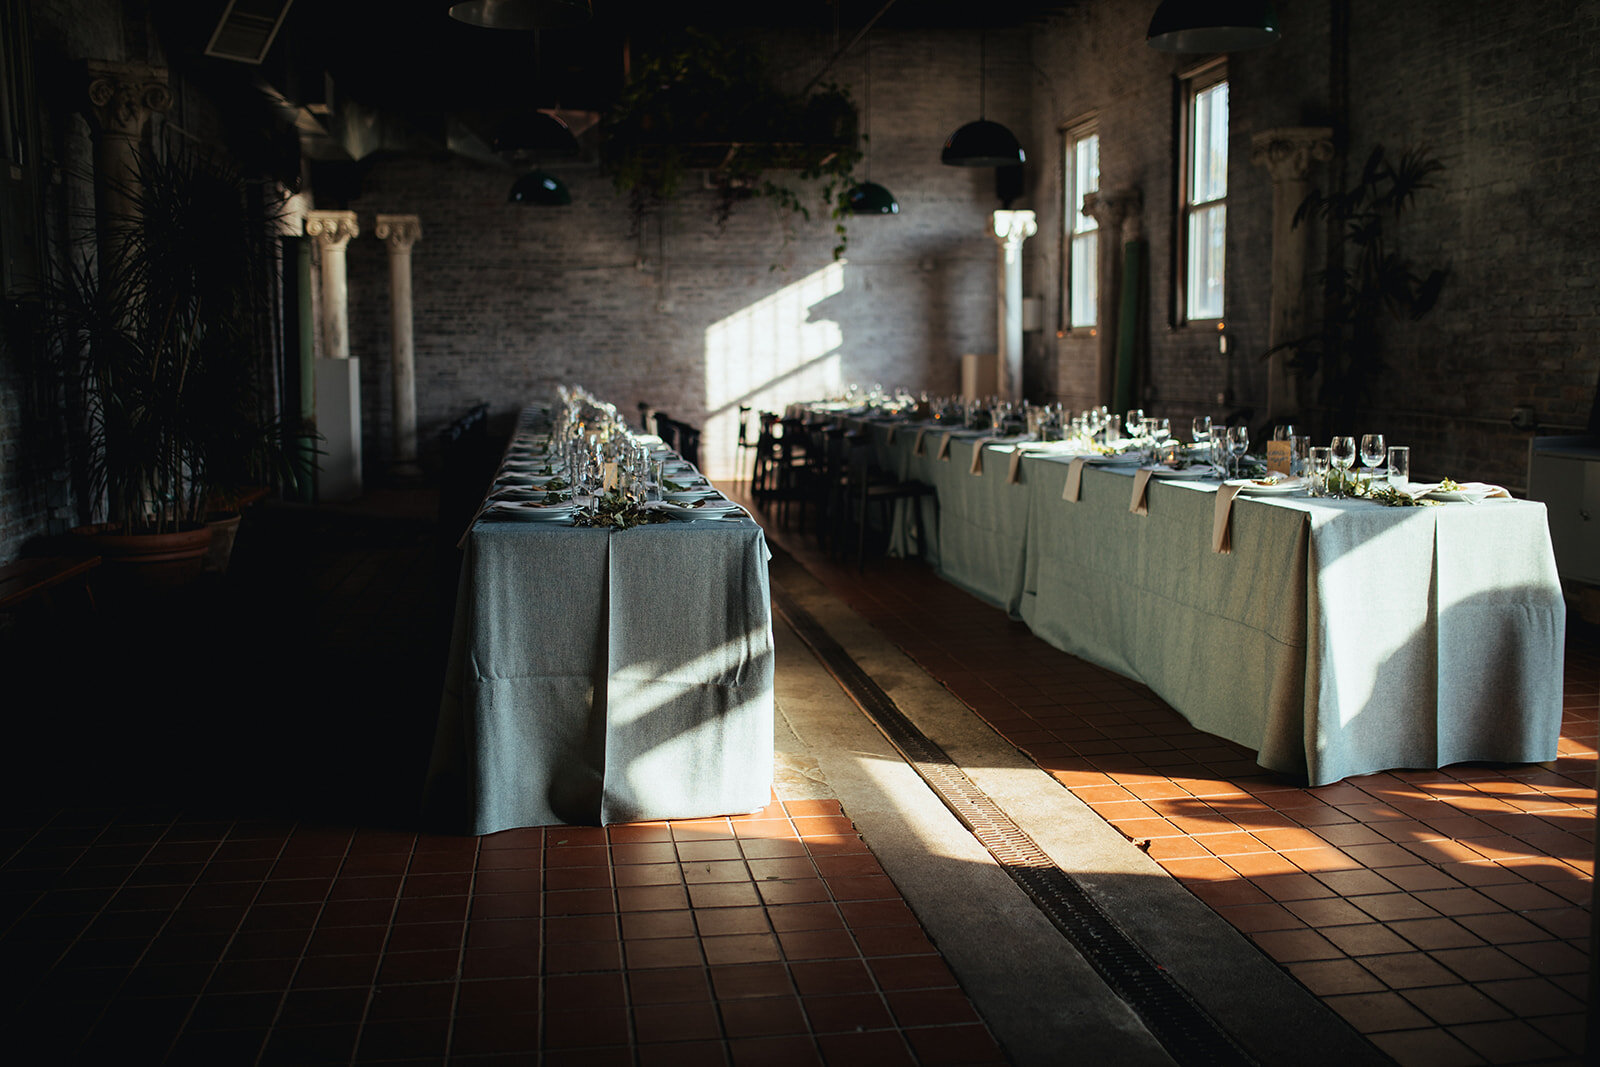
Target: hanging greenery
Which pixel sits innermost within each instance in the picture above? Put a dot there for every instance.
(709, 106)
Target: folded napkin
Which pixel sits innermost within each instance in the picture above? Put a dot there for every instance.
(944, 446)
(1141, 485)
(1014, 472)
(917, 449)
(1222, 519)
(977, 454)
(891, 433)
(1074, 478)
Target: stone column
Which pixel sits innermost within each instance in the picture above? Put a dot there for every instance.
(1111, 211)
(333, 230)
(400, 232)
(338, 398)
(1287, 153)
(122, 97)
(1010, 229)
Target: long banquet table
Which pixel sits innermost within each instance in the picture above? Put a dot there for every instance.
(1336, 638)
(597, 677)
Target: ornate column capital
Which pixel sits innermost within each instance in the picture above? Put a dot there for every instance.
(1011, 228)
(1288, 151)
(1113, 208)
(400, 231)
(332, 229)
(122, 96)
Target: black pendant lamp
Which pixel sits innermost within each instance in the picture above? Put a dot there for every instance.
(1213, 25)
(982, 143)
(870, 198)
(523, 14)
(537, 188)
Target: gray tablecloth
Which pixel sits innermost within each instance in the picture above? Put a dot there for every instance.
(1337, 638)
(600, 677)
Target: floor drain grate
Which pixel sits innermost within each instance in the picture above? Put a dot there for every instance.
(1184, 1028)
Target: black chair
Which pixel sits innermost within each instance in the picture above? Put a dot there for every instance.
(688, 445)
(764, 470)
(748, 443)
(869, 485)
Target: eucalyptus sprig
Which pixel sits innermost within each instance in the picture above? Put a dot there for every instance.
(1390, 497)
(615, 511)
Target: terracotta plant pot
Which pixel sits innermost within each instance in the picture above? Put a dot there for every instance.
(147, 561)
(224, 528)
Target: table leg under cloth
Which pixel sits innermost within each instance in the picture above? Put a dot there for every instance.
(598, 677)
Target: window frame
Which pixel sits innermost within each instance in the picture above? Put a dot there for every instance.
(1190, 84)
(1072, 133)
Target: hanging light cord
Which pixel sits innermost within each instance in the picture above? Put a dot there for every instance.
(862, 32)
(868, 138)
(983, 71)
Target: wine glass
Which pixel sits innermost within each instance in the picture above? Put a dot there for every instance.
(1343, 456)
(1373, 455)
(1201, 429)
(1132, 421)
(1238, 444)
(1163, 430)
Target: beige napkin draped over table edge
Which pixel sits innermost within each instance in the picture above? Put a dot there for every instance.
(891, 433)
(1014, 471)
(1074, 478)
(1222, 519)
(917, 448)
(977, 454)
(944, 445)
(1140, 505)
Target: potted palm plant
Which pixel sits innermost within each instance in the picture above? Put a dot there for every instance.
(159, 345)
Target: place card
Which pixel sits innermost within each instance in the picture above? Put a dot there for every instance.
(1139, 505)
(1280, 456)
(1074, 478)
(944, 446)
(977, 455)
(916, 448)
(1222, 519)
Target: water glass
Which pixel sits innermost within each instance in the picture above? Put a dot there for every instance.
(1400, 467)
(1201, 429)
(1318, 459)
(1299, 446)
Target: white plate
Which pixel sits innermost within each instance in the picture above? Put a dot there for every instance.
(1121, 459)
(531, 510)
(1283, 488)
(689, 496)
(1469, 494)
(711, 509)
(1199, 470)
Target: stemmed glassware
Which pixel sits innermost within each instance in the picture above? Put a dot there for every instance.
(1373, 455)
(1238, 444)
(1132, 421)
(1343, 456)
(1201, 430)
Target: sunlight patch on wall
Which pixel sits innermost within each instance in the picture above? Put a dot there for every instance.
(766, 356)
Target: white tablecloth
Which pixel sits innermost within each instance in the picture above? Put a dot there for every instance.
(1337, 638)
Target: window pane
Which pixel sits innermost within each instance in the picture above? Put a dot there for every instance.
(1086, 178)
(1210, 161)
(1205, 261)
(1085, 288)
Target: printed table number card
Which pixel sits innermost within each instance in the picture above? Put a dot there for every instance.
(1280, 456)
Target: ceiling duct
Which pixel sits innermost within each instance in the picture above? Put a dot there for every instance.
(246, 30)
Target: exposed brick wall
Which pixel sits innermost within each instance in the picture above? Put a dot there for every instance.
(1504, 95)
(512, 300)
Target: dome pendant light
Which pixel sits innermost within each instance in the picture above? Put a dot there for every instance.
(523, 14)
(870, 198)
(982, 143)
(1213, 25)
(541, 189)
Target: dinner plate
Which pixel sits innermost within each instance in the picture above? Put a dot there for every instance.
(690, 495)
(1120, 459)
(711, 509)
(531, 511)
(1254, 488)
(1197, 471)
(1469, 493)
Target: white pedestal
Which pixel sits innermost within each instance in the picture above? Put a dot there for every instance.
(339, 422)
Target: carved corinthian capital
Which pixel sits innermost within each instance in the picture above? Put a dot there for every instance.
(400, 231)
(332, 229)
(1112, 209)
(122, 96)
(1289, 151)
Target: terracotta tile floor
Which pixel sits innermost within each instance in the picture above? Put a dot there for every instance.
(1445, 913)
(236, 879)
(766, 939)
